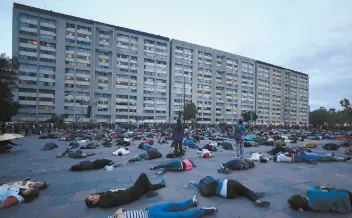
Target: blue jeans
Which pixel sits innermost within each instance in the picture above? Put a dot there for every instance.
(239, 148)
(174, 210)
(174, 166)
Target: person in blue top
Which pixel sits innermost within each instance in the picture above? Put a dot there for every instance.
(239, 137)
(228, 188)
(323, 199)
(177, 136)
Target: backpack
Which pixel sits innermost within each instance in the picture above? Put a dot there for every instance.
(207, 186)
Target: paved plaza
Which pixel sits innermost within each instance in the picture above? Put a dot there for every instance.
(67, 190)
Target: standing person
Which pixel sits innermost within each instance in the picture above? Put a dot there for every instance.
(177, 136)
(239, 137)
(26, 128)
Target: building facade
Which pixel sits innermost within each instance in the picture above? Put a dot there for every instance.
(74, 67)
(220, 84)
(71, 65)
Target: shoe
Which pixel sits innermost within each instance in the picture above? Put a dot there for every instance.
(158, 173)
(195, 200)
(260, 194)
(260, 203)
(210, 210)
(347, 158)
(222, 166)
(163, 183)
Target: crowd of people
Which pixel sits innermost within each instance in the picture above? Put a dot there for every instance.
(320, 199)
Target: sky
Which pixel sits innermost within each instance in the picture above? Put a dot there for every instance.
(313, 37)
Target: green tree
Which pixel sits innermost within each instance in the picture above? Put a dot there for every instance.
(190, 111)
(8, 84)
(8, 71)
(320, 116)
(58, 120)
(246, 115)
(346, 104)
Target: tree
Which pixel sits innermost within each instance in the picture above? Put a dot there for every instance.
(346, 104)
(332, 110)
(8, 71)
(7, 106)
(246, 115)
(190, 111)
(59, 120)
(319, 116)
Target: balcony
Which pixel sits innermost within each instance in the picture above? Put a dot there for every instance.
(47, 56)
(31, 54)
(83, 31)
(47, 33)
(27, 29)
(27, 45)
(47, 48)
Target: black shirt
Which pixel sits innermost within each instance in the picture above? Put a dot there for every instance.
(101, 163)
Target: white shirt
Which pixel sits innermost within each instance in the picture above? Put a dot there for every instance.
(123, 151)
(283, 158)
(255, 156)
(10, 191)
(223, 192)
(83, 142)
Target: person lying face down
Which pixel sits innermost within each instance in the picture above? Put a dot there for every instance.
(308, 157)
(228, 188)
(145, 146)
(323, 199)
(285, 149)
(12, 195)
(49, 146)
(169, 209)
(148, 154)
(174, 166)
(236, 164)
(27, 184)
(93, 165)
(119, 197)
(76, 154)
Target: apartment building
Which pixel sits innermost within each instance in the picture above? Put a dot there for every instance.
(282, 95)
(69, 64)
(221, 84)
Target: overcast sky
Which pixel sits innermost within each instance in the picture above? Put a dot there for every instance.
(313, 36)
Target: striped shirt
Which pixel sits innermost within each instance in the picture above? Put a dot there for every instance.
(135, 214)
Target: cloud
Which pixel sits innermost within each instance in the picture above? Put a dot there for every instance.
(329, 67)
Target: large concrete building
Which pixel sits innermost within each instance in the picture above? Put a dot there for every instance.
(70, 65)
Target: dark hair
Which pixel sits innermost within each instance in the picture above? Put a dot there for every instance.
(90, 204)
(33, 194)
(240, 122)
(179, 125)
(298, 202)
(45, 185)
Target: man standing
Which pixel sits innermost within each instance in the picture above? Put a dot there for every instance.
(239, 137)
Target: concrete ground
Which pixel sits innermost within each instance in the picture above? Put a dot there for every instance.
(67, 190)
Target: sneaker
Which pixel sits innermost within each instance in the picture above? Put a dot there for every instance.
(260, 203)
(159, 173)
(222, 166)
(210, 210)
(195, 200)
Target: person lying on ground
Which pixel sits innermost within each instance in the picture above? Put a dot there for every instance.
(162, 141)
(119, 197)
(90, 145)
(12, 195)
(175, 153)
(228, 188)
(145, 146)
(49, 146)
(189, 143)
(94, 165)
(149, 154)
(121, 152)
(27, 184)
(204, 153)
(5, 146)
(256, 157)
(330, 147)
(174, 166)
(323, 199)
(169, 209)
(209, 147)
(285, 149)
(311, 144)
(348, 151)
(308, 157)
(236, 164)
(345, 144)
(76, 154)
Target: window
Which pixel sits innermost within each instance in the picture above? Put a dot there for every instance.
(47, 60)
(70, 25)
(44, 36)
(28, 25)
(48, 29)
(70, 40)
(28, 41)
(28, 49)
(47, 52)
(24, 57)
(28, 33)
(84, 28)
(47, 44)
(83, 43)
